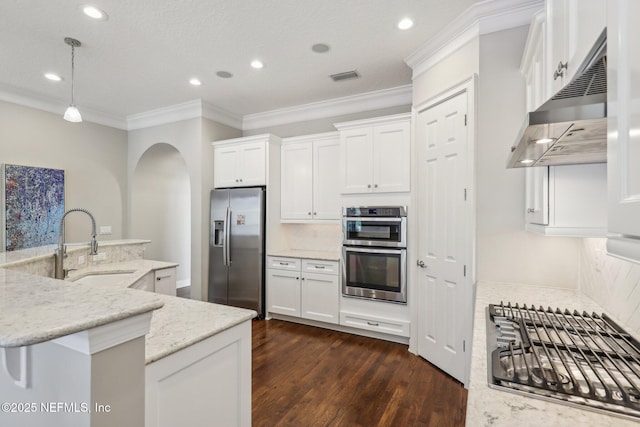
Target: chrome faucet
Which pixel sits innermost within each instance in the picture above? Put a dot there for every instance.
(61, 252)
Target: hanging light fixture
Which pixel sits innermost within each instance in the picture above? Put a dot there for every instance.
(72, 114)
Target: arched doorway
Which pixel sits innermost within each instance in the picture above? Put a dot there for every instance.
(161, 207)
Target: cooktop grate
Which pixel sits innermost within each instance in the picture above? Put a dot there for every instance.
(579, 358)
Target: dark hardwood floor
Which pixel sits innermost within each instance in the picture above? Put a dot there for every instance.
(307, 376)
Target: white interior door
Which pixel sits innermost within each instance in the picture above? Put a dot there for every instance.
(441, 138)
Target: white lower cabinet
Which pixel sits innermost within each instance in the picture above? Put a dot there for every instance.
(309, 289)
(374, 323)
(165, 281)
(159, 281)
(205, 384)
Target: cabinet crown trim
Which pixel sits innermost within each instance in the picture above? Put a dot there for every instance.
(254, 138)
(373, 121)
(311, 137)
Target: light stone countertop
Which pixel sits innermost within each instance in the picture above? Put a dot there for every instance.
(489, 407)
(293, 253)
(183, 322)
(35, 309)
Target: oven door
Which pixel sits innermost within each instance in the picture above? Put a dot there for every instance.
(375, 273)
(386, 232)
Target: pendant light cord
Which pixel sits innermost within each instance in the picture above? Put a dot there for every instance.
(72, 72)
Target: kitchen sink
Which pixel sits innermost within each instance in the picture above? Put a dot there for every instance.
(105, 278)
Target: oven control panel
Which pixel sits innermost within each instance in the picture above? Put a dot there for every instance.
(376, 211)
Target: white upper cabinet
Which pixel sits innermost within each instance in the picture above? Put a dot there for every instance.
(533, 66)
(573, 27)
(240, 162)
(567, 200)
(310, 183)
(623, 141)
(375, 155)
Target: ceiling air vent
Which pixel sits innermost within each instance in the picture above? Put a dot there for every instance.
(345, 76)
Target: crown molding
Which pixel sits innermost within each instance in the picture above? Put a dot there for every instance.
(393, 97)
(184, 111)
(480, 18)
(220, 115)
(52, 105)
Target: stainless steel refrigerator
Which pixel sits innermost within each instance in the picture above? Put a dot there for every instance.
(237, 248)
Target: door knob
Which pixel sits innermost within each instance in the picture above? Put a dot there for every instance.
(421, 264)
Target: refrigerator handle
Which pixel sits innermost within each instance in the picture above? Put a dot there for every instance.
(227, 238)
(224, 238)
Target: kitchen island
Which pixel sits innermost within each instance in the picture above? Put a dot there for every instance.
(489, 407)
(193, 366)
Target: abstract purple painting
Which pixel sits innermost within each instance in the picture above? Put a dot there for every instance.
(34, 205)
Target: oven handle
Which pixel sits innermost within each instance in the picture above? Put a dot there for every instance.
(375, 250)
(373, 219)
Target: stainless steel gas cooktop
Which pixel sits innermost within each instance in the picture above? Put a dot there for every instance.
(579, 359)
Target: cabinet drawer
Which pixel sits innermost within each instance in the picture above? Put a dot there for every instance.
(282, 263)
(372, 323)
(321, 267)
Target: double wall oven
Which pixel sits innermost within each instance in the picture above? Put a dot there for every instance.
(374, 252)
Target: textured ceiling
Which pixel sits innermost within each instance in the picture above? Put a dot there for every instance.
(142, 57)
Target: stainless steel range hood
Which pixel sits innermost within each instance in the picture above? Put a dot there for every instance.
(570, 128)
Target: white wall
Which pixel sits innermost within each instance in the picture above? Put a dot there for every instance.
(192, 139)
(505, 252)
(161, 207)
(94, 159)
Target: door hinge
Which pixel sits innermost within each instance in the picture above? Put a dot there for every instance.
(464, 346)
(465, 119)
(464, 271)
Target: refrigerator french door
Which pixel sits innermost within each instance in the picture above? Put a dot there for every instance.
(237, 248)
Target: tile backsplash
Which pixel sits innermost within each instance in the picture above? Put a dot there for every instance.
(611, 282)
(314, 237)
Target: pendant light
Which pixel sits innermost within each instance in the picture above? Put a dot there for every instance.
(72, 114)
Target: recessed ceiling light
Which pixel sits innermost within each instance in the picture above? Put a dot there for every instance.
(526, 161)
(95, 13)
(224, 74)
(405, 24)
(257, 64)
(544, 140)
(195, 82)
(320, 48)
(53, 77)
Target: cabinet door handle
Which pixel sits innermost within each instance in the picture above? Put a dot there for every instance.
(319, 266)
(368, 185)
(373, 323)
(559, 72)
(309, 213)
(284, 263)
(375, 185)
(162, 277)
(530, 210)
(315, 213)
